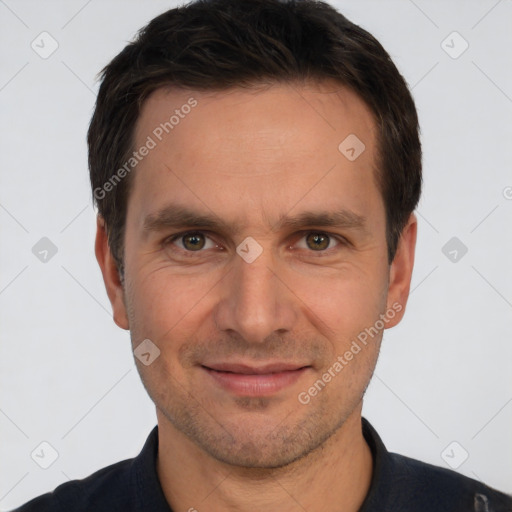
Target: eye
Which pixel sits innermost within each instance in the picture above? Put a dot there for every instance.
(318, 241)
(191, 241)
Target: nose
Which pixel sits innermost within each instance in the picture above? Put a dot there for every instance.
(256, 301)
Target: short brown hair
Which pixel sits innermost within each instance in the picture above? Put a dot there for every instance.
(220, 44)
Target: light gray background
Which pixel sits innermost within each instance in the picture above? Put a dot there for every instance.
(67, 373)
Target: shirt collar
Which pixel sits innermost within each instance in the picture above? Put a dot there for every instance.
(149, 495)
(380, 484)
(148, 491)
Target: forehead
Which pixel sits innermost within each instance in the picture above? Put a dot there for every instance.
(255, 149)
(318, 113)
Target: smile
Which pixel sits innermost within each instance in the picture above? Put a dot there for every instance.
(245, 380)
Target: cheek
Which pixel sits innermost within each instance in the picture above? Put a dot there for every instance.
(346, 316)
(344, 303)
(162, 303)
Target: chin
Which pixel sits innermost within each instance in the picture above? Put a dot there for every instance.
(251, 441)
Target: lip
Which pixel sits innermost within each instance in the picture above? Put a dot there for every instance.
(245, 369)
(245, 380)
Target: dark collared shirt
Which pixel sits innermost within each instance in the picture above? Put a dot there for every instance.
(399, 484)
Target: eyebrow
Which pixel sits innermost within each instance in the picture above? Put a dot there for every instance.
(176, 216)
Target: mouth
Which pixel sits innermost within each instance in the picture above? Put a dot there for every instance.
(248, 380)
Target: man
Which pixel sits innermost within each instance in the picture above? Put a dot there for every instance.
(256, 165)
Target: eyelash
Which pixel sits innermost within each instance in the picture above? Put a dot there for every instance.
(326, 252)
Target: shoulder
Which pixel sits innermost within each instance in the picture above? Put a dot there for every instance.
(420, 486)
(101, 491)
(400, 483)
(131, 485)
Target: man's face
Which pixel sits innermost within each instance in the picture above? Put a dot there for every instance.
(243, 336)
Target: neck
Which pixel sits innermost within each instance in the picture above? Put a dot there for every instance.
(336, 476)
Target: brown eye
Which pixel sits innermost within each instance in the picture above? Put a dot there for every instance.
(318, 241)
(193, 241)
(191, 244)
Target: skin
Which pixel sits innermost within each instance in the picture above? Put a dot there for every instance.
(248, 157)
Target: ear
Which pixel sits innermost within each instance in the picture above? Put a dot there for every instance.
(110, 273)
(401, 271)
